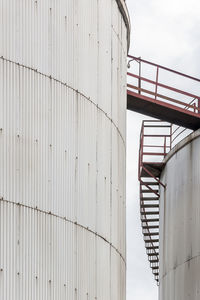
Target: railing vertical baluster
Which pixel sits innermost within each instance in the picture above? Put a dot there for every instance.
(165, 152)
(170, 137)
(139, 79)
(156, 88)
(195, 108)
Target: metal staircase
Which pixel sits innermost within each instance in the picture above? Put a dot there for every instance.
(147, 95)
(155, 143)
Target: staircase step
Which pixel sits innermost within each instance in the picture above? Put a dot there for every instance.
(153, 254)
(150, 227)
(149, 213)
(154, 261)
(155, 268)
(149, 191)
(149, 198)
(150, 220)
(152, 241)
(152, 247)
(150, 205)
(151, 233)
(149, 183)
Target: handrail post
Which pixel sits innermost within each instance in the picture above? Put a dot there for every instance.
(198, 106)
(165, 146)
(156, 88)
(139, 79)
(140, 150)
(195, 108)
(170, 137)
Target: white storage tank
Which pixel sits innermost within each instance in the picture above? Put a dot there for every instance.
(62, 149)
(180, 222)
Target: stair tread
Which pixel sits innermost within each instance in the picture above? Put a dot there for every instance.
(154, 261)
(150, 220)
(149, 183)
(150, 205)
(150, 233)
(152, 247)
(149, 212)
(149, 191)
(151, 227)
(152, 241)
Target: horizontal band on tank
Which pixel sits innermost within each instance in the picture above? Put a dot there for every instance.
(70, 87)
(181, 144)
(124, 11)
(177, 266)
(66, 220)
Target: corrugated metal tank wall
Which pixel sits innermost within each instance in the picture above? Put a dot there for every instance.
(180, 223)
(62, 149)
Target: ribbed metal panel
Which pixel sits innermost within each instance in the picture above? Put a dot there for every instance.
(62, 150)
(180, 222)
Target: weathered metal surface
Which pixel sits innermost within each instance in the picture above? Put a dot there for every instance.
(62, 150)
(180, 222)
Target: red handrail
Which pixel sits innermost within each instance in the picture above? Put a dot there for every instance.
(139, 59)
(192, 105)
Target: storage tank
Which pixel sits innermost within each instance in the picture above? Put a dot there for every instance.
(62, 149)
(180, 222)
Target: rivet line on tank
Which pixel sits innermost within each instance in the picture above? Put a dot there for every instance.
(69, 221)
(70, 87)
(117, 35)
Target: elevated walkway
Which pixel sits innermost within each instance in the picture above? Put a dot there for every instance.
(161, 101)
(161, 110)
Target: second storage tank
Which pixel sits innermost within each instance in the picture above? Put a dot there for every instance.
(180, 222)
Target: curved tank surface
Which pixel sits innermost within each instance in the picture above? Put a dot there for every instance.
(62, 149)
(180, 222)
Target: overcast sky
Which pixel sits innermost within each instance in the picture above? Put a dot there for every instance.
(167, 33)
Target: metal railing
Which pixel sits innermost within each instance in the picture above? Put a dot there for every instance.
(152, 87)
(155, 143)
(157, 138)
